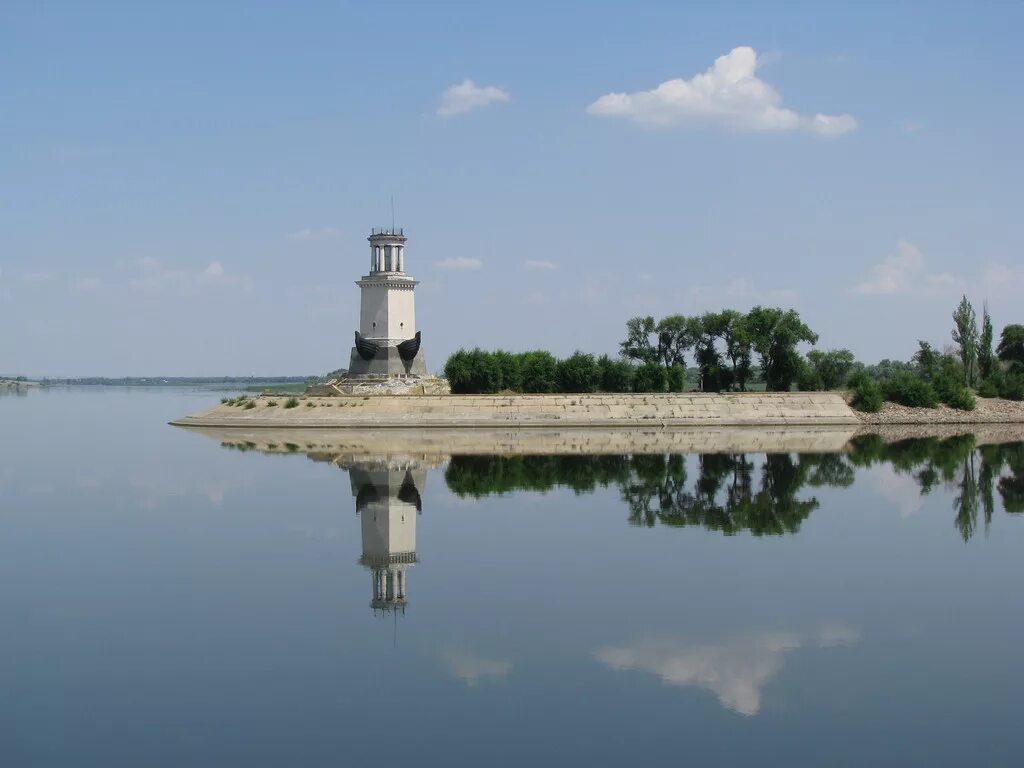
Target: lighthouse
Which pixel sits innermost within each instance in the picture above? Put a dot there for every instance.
(387, 344)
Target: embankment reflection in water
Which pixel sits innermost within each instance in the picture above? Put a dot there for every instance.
(731, 489)
(765, 494)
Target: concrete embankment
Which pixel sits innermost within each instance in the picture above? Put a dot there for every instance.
(438, 445)
(518, 411)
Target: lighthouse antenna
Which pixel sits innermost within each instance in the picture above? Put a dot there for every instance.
(392, 213)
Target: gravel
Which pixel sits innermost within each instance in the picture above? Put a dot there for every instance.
(988, 411)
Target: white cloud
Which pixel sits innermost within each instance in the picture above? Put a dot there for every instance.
(537, 264)
(313, 235)
(1000, 279)
(729, 94)
(903, 272)
(467, 96)
(736, 671)
(902, 491)
(474, 669)
(459, 262)
(189, 280)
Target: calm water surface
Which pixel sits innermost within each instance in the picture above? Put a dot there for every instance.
(169, 600)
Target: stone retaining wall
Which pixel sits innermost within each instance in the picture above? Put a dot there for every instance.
(516, 411)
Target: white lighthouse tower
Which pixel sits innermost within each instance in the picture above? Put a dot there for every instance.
(387, 343)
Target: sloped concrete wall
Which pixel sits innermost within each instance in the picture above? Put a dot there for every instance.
(514, 411)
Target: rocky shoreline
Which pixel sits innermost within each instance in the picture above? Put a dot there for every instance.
(987, 411)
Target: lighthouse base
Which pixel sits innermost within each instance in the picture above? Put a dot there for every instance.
(387, 363)
(380, 386)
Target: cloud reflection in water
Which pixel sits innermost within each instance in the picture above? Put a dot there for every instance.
(735, 670)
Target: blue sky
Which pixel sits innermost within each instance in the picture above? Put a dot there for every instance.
(186, 188)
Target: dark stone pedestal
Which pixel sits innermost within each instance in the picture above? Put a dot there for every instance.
(387, 362)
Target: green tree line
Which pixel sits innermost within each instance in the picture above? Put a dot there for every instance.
(952, 376)
(736, 351)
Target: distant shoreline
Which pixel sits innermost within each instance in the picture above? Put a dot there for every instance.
(18, 384)
(169, 381)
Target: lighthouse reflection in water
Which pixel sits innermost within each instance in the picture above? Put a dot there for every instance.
(388, 502)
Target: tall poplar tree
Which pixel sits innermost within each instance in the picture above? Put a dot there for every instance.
(986, 357)
(965, 334)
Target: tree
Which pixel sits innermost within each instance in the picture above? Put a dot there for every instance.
(965, 334)
(704, 331)
(831, 368)
(578, 373)
(927, 359)
(737, 346)
(986, 357)
(675, 336)
(638, 344)
(774, 334)
(1011, 346)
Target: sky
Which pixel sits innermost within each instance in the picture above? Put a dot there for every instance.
(186, 188)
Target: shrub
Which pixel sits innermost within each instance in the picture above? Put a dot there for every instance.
(988, 388)
(291, 402)
(456, 370)
(650, 377)
(310, 404)
(715, 379)
(484, 374)
(578, 373)
(226, 401)
(248, 405)
(961, 399)
(867, 394)
(271, 403)
(1013, 387)
(540, 371)
(510, 370)
(808, 379)
(676, 378)
(907, 389)
(831, 368)
(616, 375)
(473, 372)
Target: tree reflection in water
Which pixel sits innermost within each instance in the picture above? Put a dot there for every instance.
(734, 492)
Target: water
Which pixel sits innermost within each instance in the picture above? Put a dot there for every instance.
(169, 600)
